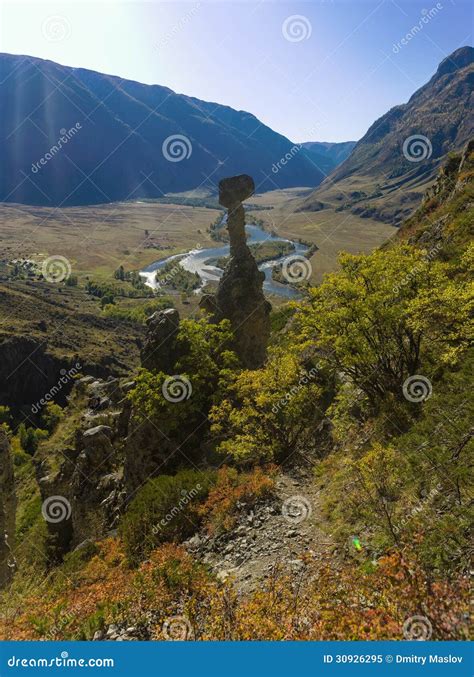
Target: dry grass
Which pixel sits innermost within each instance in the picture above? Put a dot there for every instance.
(97, 239)
(331, 231)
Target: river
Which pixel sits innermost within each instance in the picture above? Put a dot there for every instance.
(195, 262)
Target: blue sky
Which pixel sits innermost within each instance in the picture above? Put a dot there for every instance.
(320, 70)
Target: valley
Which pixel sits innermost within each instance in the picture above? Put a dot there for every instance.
(98, 239)
(234, 391)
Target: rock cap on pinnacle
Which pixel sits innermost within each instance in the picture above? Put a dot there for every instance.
(235, 189)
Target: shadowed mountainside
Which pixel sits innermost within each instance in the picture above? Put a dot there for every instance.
(332, 153)
(120, 147)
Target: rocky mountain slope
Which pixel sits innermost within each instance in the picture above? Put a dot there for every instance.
(390, 167)
(122, 139)
(46, 330)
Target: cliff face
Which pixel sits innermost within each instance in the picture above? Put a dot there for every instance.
(160, 352)
(83, 498)
(27, 371)
(7, 511)
(239, 297)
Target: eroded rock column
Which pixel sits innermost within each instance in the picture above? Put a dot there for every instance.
(239, 296)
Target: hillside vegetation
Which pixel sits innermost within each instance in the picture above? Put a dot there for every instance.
(366, 391)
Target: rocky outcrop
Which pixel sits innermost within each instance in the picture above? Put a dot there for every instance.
(149, 453)
(239, 297)
(146, 448)
(84, 499)
(160, 351)
(451, 186)
(7, 511)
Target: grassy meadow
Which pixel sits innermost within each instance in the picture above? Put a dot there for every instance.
(98, 239)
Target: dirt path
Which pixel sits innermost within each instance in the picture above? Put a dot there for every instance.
(281, 533)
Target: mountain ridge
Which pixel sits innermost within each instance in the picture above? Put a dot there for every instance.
(438, 114)
(334, 152)
(119, 151)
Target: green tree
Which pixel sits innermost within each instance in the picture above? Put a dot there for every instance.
(386, 316)
(271, 413)
(119, 274)
(180, 401)
(107, 300)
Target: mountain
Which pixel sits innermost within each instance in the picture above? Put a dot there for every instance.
(116, 139)
(332, 153)
(391, 166)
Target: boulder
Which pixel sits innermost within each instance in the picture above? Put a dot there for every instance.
(235, 189)
(160, 351)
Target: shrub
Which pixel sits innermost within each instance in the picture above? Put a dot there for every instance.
(5, 415)
(165, 509)
(414, 489)
(386, 316)
(270, 413)
(232, 488)
(51, 416)
(30, 438)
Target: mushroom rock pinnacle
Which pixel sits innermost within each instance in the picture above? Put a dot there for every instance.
(239, 297)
